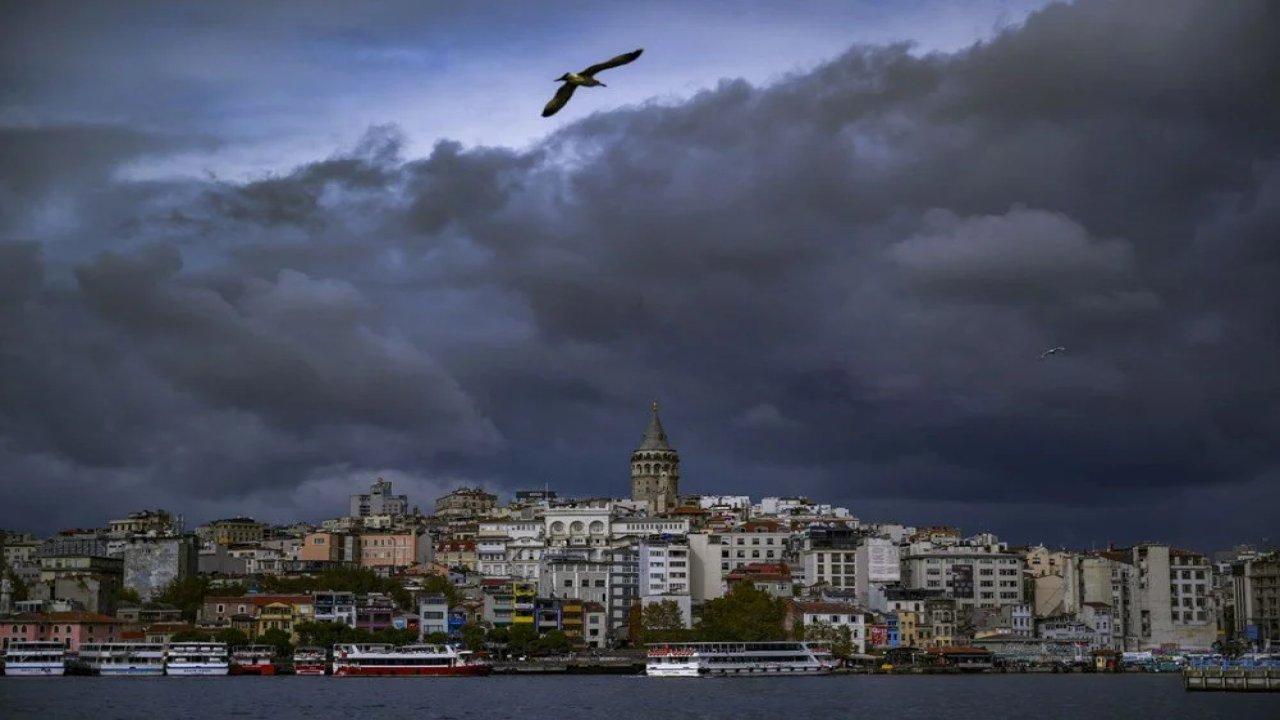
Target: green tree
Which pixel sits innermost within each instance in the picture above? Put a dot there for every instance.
(233, 637)
(744, 614)
(324, 634)
(357, 580)
(839, 639)
(664, 615)
(279, 639)
(393, 636)
(191, 636)
(473, 636)
(499, 637)
(436, 638)
(663, 622)
(440, 585)
(187, 594)
(520, 639)
(554, 642)
(20, 589)
(129, 596)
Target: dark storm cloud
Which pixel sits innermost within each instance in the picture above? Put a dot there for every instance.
(839, 284)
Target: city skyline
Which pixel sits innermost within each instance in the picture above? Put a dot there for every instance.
(253, 258)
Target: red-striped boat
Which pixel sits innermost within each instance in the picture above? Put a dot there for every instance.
(310, 661)
(368, 660)
(253, 660)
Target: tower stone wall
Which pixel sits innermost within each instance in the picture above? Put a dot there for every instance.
(655, 468)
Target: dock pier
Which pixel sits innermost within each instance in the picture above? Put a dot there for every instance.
(1232, 679)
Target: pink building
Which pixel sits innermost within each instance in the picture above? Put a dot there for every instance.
(390, 549)
(70, 628)
(330, 547)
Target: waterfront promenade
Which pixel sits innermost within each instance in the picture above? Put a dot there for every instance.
(1052, 697)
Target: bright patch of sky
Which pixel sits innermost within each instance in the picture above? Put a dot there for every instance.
(300, 85)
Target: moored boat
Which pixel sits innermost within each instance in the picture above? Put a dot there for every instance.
(39, 658)
(362, 660)
(753, 659)
(196, 658)
(122, 659)
(310, 661)
(253, 660)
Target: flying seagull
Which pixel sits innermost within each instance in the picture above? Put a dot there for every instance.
(1052, 351)
(586, 78)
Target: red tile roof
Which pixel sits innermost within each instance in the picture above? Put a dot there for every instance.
(826, 608)
(761, 571)
(73, 617)
(259, 600)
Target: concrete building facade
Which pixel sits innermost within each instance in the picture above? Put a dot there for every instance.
(1172, 596)
(380, 500)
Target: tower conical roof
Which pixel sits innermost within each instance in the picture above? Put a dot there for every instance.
(655, 438)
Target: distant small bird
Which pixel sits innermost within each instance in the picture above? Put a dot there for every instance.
(1052, 351)
(586, 78)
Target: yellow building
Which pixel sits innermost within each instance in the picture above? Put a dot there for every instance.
(572, 617)
(908, 629)
(523, 595)
(282, 616)
(234, 531)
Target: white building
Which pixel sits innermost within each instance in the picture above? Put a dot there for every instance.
(648, 527)
(742, 502)
(706, 576)
(1171, 600)
(379, 501)
(798, 507)
(510, 548)
(664, 575)
(578, 528)
(817, 616)
(433, 616)
(757, 541)
(877, 566)
(975, 575)
(664, 568)
(574, 575)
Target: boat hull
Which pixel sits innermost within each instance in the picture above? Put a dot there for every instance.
(766, 672)
(253, 670)
(197, 670)
(309, 670)
(412, 671)
(140, 671)
(41, 670)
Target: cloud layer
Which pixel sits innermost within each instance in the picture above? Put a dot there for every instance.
(838, 284)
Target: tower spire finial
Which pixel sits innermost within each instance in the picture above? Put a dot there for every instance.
(654, 406)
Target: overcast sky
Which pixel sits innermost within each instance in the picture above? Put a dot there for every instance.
(252, 257)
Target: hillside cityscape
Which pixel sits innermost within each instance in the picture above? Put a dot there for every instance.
(543, 574)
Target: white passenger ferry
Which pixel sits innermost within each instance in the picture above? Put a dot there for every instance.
(197, 658)
(356, 660)
(310, 661)
(253, 660)
(750, 659)
(35, 658)
(133, 659)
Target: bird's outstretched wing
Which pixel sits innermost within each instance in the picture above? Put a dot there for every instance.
(562, 96)
(622, 59)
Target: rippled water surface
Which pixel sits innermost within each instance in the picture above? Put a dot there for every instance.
(1148, 697)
